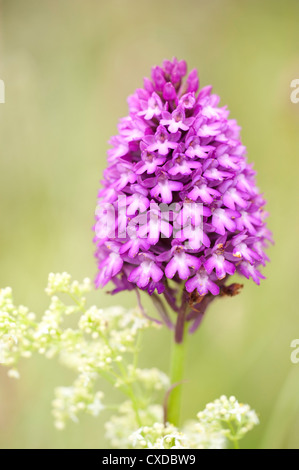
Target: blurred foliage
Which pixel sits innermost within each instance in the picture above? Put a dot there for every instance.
(68, 66)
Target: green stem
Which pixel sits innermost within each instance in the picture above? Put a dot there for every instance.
(176, 377)
(131, 394)
(236, 444)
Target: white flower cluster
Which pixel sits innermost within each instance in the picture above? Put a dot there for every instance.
(122, 425)
(62, 282)
(222, 421)
(200, 436)
(229, 417)
(105, 344)
(16, 332)
(70, 401)
(158, 436)
(151, 379)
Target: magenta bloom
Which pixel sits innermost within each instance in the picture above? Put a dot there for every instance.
(178, 149)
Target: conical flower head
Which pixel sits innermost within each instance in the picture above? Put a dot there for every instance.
(179, 199)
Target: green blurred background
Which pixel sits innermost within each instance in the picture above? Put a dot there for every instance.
(68, 66)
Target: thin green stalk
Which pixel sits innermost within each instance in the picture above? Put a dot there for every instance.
(131, 394)
(233, 439)
(236, 444)
(176, 377)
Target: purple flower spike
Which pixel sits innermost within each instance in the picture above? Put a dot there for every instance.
(179, 210)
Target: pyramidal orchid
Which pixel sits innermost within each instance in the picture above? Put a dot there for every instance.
(179, 204)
